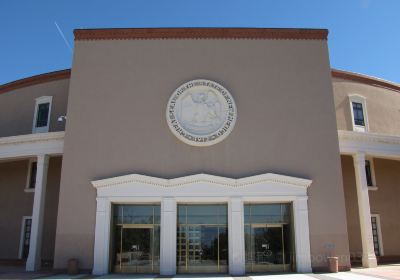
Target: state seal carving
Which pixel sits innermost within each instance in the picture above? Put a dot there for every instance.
(201, 113)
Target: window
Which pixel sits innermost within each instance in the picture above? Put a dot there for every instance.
(41, 118)
(370, 173)
(31, 178)
(358, 113)
(42, 115)
(377, 234)
(25, 237)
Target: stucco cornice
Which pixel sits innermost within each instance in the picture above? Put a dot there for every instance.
(203, 178)
(200, 33)
(368, 137)
(29, 138)
(34, 80)
(51, 143)
(379, 145)
(364, 79)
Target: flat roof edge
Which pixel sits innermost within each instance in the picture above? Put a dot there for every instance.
(364, 79)
(34, 80)
(200, 33)
(66, 73)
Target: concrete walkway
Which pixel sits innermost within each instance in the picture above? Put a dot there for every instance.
(389, 272)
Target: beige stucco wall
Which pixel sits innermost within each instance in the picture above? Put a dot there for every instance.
(382, 106)
(350, 194)
(17, 107)
(384, 201)
(16, 203)
(116, 125)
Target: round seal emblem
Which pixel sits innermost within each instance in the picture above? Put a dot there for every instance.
(201, 113)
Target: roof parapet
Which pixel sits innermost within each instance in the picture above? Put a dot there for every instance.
(37, 79)
(200, 33)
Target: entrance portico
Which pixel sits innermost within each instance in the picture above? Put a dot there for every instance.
(39, 147)
(361, 146)
(201, 189)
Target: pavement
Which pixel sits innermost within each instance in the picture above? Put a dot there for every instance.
(389, 272)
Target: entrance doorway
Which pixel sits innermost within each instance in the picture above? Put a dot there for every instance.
(268, 244)
(136, 247)
(202, 239)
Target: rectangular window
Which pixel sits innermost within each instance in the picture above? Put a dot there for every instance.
(368, 173)
(42, 117)
(358, 114)
(32, 175)
(376, 234)
(25, 237)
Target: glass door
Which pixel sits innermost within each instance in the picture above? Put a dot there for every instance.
(202, 243)
(266, 248)
(137, 250)
(268, 245)
(136, 246)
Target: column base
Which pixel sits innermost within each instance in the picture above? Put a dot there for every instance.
(369, 261)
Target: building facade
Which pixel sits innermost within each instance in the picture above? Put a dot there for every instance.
(195, 150)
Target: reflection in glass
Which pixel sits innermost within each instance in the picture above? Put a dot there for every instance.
(136, 235)
(268, 238)
(202, 238)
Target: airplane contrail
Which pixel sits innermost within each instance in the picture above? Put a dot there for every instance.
(63, 36)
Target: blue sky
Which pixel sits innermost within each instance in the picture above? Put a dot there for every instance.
(364, 34)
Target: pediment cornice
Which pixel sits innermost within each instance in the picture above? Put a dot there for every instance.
(203, 178)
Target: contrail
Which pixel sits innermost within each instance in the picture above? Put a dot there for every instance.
(62, 35)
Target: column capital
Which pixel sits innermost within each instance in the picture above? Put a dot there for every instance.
(359, 158)
(42, 159)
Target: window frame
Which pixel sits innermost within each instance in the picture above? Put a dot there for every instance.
(355, 98)
(22, 236)
(39, 101)
(379, 231)
(28, 177)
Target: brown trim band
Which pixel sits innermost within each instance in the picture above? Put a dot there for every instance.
(34, 80)
(200, 33)
(364, 79)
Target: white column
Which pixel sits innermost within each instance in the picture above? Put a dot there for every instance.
(33, 262)
(368, 253)
(168, 237)
(102, 237)
(236, 237)
(302, 235)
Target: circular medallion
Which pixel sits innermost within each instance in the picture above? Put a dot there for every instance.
(201, 113)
